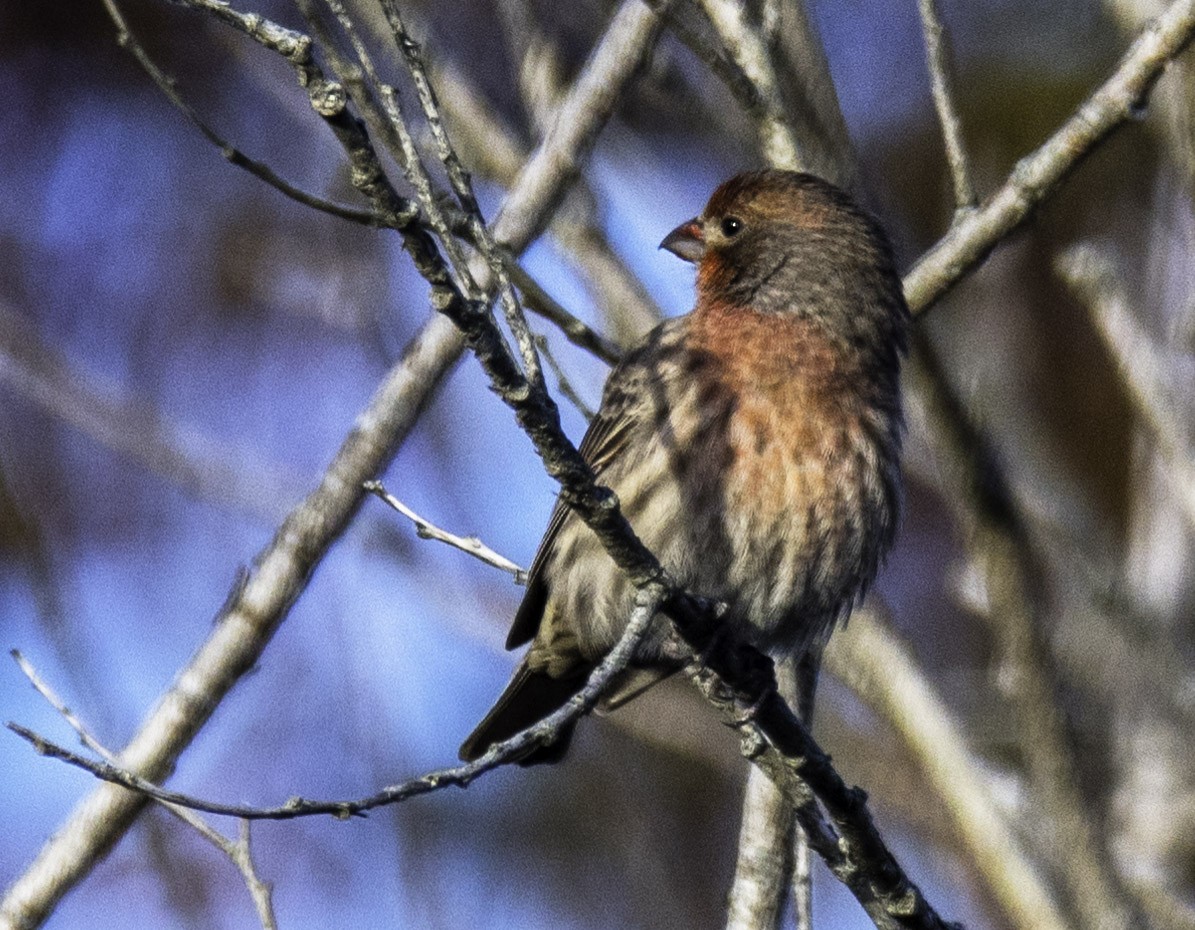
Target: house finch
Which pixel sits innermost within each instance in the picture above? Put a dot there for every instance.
(754, 445)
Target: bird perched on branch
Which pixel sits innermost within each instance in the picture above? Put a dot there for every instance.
(754, 445)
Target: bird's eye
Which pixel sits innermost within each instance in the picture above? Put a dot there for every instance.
(732, 226)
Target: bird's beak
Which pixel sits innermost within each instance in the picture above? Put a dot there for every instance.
(686, 241)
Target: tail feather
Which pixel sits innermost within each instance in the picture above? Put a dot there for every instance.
(528, 698)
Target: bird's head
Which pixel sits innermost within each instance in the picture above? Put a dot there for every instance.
(785, 242)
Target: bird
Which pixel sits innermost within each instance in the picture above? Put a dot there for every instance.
(754, 445)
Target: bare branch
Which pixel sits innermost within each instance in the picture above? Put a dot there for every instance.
(461, 776)
(258, 606)
(577, 332)
(494, 150)
(462, 186)
(1037, 175)
(764, 856)
(127, 40)
(468, 544)
(1005, 560)
(747, 48)
(774, 852)
(937, 53)
(238, 851)
(774, 739)
(692, 28)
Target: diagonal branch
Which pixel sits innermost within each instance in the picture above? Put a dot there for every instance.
(238, 851)
(460, 776)
(257, 607)
(997, 543)
(1146, 373)
(471, 545)
(1038, 175)
(126, 39)
(749, 51)
(877, 665)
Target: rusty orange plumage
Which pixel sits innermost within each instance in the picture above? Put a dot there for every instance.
(754, 445)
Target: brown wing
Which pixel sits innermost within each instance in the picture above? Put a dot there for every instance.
(621, 413)
(604, 440)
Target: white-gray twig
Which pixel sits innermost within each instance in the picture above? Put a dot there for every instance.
(937, 53)
(509, 750)
(751, 53)
(238, 851)
(462, 186)
(1037, 175)
(427, 530)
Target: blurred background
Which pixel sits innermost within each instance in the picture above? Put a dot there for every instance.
(182, 350)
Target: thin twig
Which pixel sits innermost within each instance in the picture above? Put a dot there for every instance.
(621, 296)
(460, 776)
(468, 544)
(563, 383)
(937, 53)
(127, 40)
(576, 331)
(462, 186)
(797, 681)
(238, 851)
(396, 126)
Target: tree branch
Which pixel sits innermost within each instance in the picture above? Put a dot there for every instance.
(470, 545)
(937, 53)
(257, 607)
(747, 49)
(1143, 368)
(460, 776)
(1005, 559)
(239, 851)
(878, 666)
(1036, 176)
